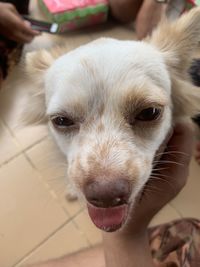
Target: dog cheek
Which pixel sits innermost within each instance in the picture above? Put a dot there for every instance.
(145, 169)
(76, 173)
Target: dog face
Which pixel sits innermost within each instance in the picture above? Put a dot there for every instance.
(109, 106)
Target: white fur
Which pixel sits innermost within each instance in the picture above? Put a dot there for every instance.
(115, 71)
(91, 83)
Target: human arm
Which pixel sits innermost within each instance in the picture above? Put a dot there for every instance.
(130, 246)
(148, 17)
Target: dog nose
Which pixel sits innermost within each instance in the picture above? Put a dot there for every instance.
(108, 193)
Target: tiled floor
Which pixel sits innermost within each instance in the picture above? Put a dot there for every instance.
(36, 220)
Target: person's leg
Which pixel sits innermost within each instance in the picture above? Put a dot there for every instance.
(89, 257)
(125, 10)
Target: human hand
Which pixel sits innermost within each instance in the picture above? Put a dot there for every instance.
(168, 178)
(148, 17)
(13, 27)
(197, 152)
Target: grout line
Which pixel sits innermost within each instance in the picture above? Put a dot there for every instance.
(179, 213)
(17, 142)
(82, 233)
(71, 219)
(34, 144)
(41, 243)
(77, 227)
(10, 159)
(28, 255)
(22, 152)
(39, 175)
(47, 185)
(49, 189)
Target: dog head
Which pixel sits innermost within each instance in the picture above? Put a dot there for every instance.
(110, 105)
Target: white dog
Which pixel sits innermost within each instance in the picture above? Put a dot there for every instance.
(110, 105)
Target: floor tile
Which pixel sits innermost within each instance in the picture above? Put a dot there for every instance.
(65, 241)
(167, 214)
(29, 214)
(13, 104)
(47, 158)
(113, 31)
(86, 226)
(72, 207)
(188, 201)
(28, 136)
(9, 146)
(12, 98)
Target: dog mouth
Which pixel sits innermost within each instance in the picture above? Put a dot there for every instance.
(108, 219)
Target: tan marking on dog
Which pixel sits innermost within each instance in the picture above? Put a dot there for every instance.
(86, 63)
(103, 150)
(131, 169)
(101, 110)
(134, 101)
(78, 173)
(100, 127)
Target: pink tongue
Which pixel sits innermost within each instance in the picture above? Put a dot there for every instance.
(108, 219)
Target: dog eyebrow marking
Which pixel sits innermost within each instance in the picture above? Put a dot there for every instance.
(142, 98)
(101, 109)
(100, 127)
(73, 110)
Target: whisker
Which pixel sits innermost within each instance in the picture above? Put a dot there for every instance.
(160, 169)
(171, 153)
(160, 175)
(149, 190)
(162, 180)
(168, 162)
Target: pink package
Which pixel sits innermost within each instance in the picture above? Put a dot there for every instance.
(56, 6)
(74, 14)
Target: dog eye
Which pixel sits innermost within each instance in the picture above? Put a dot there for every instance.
(149, 114)
(62, 122)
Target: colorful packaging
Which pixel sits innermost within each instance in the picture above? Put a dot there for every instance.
(192, 3)
(74, 14)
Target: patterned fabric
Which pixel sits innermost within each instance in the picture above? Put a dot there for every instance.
(10, 51)
(176, 244)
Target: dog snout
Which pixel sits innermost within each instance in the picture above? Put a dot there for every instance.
(108, 193)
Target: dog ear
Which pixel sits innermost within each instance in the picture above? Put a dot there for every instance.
(36, 64)
(178, 41)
